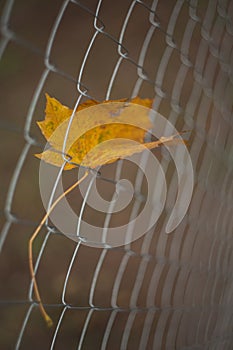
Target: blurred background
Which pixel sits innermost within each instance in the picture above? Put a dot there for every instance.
(162, 291)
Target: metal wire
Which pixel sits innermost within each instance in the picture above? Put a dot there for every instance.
(161, 292)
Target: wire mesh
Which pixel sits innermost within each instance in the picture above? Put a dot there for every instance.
(161, 291)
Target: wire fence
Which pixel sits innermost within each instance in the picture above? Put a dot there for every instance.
(160, 291)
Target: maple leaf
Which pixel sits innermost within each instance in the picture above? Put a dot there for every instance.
(117, 122)
(100, 133)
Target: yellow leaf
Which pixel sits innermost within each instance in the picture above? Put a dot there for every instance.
(118, 121)
(100, 133)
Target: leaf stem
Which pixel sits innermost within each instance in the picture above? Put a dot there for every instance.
(46, 317)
